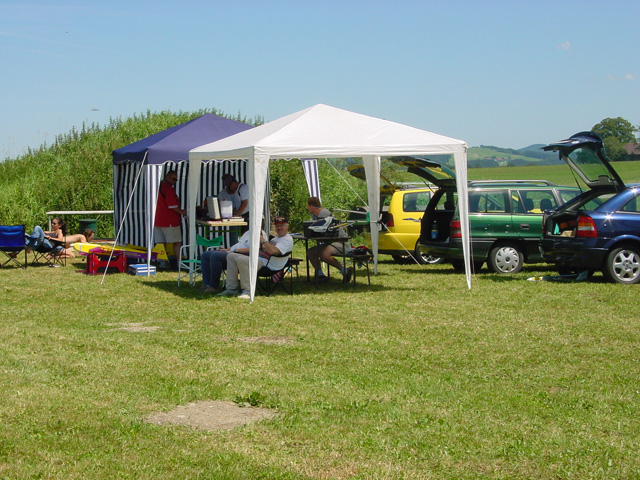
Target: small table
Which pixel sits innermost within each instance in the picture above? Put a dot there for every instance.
(362, 259)
(322, 239)
(226, 225)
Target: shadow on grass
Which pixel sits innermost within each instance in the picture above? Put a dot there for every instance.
(529, 270)
(302, 287)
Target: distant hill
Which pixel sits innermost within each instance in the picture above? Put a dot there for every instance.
(491, 156)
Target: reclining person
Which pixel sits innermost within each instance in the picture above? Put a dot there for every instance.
(324, 252)
(86, 236)
(238, 263)
(40, 238)
(213, 262)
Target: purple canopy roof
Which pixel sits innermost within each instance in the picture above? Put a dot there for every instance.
(173, 144)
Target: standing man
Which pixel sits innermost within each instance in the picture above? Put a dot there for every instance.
(238, 194)
(324, 252)
(167, 225)
(238, 264)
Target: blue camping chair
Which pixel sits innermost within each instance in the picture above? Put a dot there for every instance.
(12, 244)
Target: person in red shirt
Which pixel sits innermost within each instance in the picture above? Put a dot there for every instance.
(168, 221)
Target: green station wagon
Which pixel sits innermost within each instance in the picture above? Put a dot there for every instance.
(505, 220)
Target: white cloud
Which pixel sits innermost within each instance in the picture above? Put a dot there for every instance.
(565, 46)
(629, 77)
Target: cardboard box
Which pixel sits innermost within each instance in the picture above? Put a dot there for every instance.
(141, 270)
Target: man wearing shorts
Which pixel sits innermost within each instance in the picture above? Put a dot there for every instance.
(324, 252)
(168, 221)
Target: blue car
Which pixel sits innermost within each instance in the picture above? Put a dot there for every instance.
(598, 230)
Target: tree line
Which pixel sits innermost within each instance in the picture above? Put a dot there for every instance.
(616, 133)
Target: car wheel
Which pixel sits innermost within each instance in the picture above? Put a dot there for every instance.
(623, 265)
(424, 259)
(505, 259)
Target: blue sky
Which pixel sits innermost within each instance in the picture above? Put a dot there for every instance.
(510, 73)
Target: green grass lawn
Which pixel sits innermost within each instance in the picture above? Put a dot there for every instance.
(413, 377)
(559, 174)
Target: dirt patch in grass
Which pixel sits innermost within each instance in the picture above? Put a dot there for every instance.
(274, 340)
(211, 415)
(133, 327)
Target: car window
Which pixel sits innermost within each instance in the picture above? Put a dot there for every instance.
(596, 201)
(415, 202)
(488, 202)
(535, 201)
(588, 163)
(566, 195)
(631, 206)
(517, 205)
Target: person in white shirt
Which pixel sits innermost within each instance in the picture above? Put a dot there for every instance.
(213, 262)
(238, 263)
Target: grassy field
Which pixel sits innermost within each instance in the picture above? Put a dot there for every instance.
(413, 377)
(559, 174)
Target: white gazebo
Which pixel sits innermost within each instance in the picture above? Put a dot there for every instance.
(322, 131)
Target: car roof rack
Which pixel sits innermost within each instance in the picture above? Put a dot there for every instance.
(474, 183)
(414, 186)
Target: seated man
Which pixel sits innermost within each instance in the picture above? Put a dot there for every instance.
(213, 262)
(238, 263)
(324, 252)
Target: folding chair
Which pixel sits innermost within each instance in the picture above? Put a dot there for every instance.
(192, 265)
(12, 244)
(48, 254)
(269, 280)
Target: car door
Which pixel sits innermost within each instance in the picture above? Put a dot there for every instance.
(527, 208)
(489, 218)
(408, 216)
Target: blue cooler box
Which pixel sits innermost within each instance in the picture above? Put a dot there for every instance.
(141, 269)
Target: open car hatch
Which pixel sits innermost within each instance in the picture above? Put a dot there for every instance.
(584, 153)
(429, 170)
(358, 171)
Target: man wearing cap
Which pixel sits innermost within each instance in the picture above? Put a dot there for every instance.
(238, 264)
(238, 194)
(168, 221)
(213, 262)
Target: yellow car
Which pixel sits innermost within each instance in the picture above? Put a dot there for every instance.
(400, 222)
(402, 208)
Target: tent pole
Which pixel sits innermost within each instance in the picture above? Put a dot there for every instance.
(126, 210)
(372, 172)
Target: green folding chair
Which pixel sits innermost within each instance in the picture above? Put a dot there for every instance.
(190, 267)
